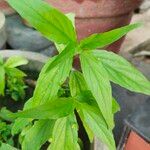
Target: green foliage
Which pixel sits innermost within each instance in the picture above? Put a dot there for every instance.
(90, 90)
(121, 72)
(99, 127)
(97, 80)
(65, 134)
(48, 20)
(21, 123)
(4, 146)
(51, 81)
(68, 52)
(53, 110)
(115, 106)
(41, 131)
(5, 133)
(15, 61)
(103, 39)
(11, 83)
(77, 83)
(16, 88)
(2, 79)
(88, 110)
(11, 78)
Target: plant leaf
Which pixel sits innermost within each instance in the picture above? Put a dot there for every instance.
(15, 72)
(49, 21)
(122, 72)
(98, 126)
(68, 52)
(2, 80)
(103, 39)
(20, 123)
(97, 80)
(115, 106)
(4, 146)
(15, 61)
(77, 83)
(86, 126)
(49, 83)
(71, 17)
(77, 86)
(1, 60)
(46, 89)
(52, 110)
(65, 134)
(39, 133)
(4, 115)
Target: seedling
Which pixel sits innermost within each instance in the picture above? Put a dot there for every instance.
(52, 114)
(11, 78)
(5, 133)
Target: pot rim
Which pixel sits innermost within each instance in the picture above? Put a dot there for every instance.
(2, 21)
(27, 54)
(96, 8)
(36, 60)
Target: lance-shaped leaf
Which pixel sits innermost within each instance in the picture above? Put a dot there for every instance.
(97, 80)
(78, 85)
(71, 17)
(15, 61)
(122, 72)
(15, 72)
(52, 110)
(86, 126)
(49, 21)
(65, 134)
(55, 109)
(103, 39)
(50, 81)
(2, 79)
(97, 124)
(68, 52)
(39, 133)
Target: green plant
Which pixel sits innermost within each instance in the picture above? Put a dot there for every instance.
(11, 78)
(52, 109)
(5, 133)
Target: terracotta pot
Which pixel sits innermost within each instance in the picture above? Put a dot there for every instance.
(136, 131)
(5, 8)
(136, 142)
(2, 31)
(96, 16)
